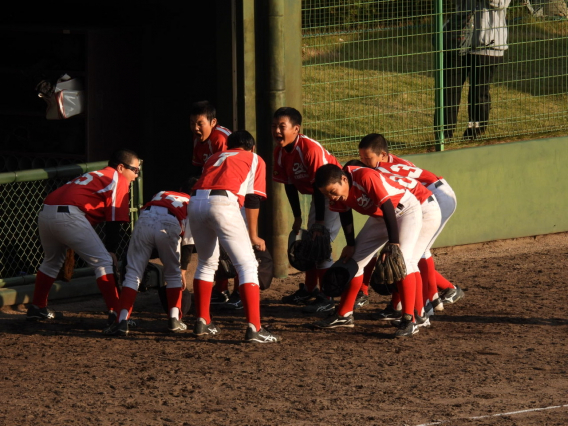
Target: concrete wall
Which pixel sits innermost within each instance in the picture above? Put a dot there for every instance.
(504, 191)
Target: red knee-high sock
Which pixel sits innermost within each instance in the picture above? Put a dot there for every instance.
(407, 290)
(222, 285)
(424, 269)
(443, 283)
(311, 279)
(250, 295)
(174, 299)
(107, 286)
(428, 269)
(418, 299)
(349, 296)
(127, 298)
(202, 295)
(43, 284)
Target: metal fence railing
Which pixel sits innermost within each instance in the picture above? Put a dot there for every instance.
(377, 66)
(21, 196)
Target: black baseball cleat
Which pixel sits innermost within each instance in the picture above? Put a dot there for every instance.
(219, 297)
(421, 321)
(37, 314)
(321, 304)
(117, 329)
(300, 297)
(387, 314)
(176, 326)
(335, 321)
(407, 327)
(113, 317)
(362, 300)
(203, 329)
(234, 302)
(452, 295)
(260, 336)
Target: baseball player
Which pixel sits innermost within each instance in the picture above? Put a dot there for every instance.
(373, 151)
(230, 179)
(208, 138)
(161, 225)
(395, 218)
(67, 219)
(296, 159)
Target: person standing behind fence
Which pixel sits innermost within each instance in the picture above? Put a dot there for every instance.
(475, 40)
(66, 221)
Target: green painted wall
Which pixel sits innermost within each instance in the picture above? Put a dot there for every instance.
(504, 191)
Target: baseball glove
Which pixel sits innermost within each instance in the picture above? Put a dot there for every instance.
(390, 271)
(265, 268)
(226, 269)
(337, 278)
(313, 247)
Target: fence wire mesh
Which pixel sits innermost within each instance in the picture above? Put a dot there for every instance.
(371, 66)
(20, 247)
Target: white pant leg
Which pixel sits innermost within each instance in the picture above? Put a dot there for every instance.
(448, 203)
(331, 222)
(167, 240)
(74, 231)
(374, 235)
(139, 251)
(431, 218)
(218, 219)
(154, 229)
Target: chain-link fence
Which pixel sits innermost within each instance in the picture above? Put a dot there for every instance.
(377, 66)
(22, 196)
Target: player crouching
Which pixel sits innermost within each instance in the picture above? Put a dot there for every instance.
(395, 218)
(161, 226)
(230, 179)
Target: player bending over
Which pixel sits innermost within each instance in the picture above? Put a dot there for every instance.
(373, 151)
(161, 226)
(395, 218)
(66, 221)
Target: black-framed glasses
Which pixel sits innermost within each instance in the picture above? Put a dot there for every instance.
(136, 170)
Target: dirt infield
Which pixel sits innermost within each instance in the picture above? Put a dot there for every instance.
(501, 350)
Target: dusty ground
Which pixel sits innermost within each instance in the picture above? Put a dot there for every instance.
(503, 349)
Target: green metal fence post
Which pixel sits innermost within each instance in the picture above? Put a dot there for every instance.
(439, 97)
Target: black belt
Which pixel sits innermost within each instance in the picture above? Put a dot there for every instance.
(438, 184)
(400, 206)
(430, 199)
(169, 212)
(213, 192)
(62, 209)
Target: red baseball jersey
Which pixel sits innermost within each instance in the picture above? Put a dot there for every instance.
(216, 142)
(102, 195)
(370, 189)
(299, 166)
(420, 191)
(397, 160)
(236, 170)
(175, 202)
(423, 176)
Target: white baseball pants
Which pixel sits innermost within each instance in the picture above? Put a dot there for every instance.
(156, 228)
(59, 231)
(217, 219)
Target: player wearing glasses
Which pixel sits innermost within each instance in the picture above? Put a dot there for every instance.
(66, 221)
